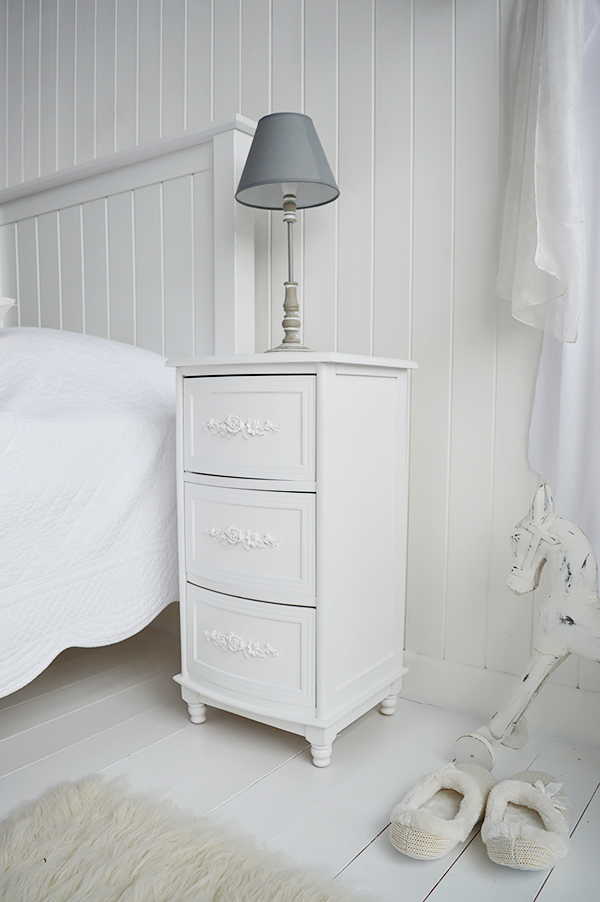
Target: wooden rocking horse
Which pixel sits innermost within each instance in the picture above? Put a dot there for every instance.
(567, 622)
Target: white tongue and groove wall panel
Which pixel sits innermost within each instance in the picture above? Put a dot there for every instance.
(410, 100)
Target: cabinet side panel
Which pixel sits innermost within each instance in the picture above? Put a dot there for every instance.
(366, 643)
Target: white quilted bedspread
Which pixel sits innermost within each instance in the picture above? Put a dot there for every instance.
(87, 495)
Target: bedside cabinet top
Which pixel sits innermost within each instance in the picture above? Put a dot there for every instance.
(283, 359)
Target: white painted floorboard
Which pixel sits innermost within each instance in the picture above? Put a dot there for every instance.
(117, 711)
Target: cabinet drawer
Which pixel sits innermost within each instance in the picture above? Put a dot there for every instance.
(260, 427)
(261, 650)
(251, 543)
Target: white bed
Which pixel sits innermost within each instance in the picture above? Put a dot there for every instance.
(87, 495)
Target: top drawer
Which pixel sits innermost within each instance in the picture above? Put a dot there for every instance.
(259, 427)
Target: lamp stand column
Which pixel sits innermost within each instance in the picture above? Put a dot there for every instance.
(291, 319)
(291, 308)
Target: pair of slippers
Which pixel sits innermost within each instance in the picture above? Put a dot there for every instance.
(525, 819)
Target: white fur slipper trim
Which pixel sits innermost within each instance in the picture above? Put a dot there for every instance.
(526, 822)
(440, 811)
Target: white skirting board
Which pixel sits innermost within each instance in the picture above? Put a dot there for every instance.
(561, 711)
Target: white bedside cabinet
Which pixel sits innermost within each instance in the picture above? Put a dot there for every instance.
(292, 520)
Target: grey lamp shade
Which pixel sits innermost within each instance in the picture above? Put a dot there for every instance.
(286, 149)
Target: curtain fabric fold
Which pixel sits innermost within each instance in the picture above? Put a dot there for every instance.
(541, 255)
(564, 439)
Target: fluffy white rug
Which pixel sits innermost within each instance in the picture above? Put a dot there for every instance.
(95, 840)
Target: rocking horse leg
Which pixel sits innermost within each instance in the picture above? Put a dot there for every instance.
(506, 726)
(506, 720)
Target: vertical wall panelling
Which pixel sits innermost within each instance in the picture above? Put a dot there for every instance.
(65, 84)
(126, 73)
(48, 85)
(178, 267)
(204, 277)
(199, 90)
(287, 95)
(474, 333)
(173, 85)
(432, 324)
(27, 245)
(71, 269)
(105, 77)
(319, 276)
(31, 89)
(85, 81)
(355, 277)
(263, 286)
(256, 87)
(508, 641)
(95, 275)
(234, 250)
(149, 267)
(287, 56)
(256, 58)
(14, 91)
(121, 281)
(149, 70)
(49, 264)
(226, 59)
(392, 197)
(3, 89)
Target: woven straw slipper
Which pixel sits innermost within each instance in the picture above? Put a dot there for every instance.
(526, 822)
(440, 811)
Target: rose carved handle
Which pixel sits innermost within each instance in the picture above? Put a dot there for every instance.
(231, 642)
(232, 536)
(234, 425)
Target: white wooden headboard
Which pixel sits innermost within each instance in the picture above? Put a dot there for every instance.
(145, 246)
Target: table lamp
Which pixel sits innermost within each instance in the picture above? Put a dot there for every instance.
(287, 170)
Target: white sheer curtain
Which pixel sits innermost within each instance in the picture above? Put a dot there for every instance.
(564, 444)
(541, 255)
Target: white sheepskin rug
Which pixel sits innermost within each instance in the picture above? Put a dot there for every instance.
(95, 840)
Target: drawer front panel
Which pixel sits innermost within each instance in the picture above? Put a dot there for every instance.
(261, 650)
(260, 427)
(254, 544)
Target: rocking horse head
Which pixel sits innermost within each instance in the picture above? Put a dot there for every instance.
(530, 542)
(544, 536)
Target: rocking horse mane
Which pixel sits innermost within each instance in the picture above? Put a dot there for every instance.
(575, 558)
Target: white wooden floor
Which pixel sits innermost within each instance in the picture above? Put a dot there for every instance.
(116, 710)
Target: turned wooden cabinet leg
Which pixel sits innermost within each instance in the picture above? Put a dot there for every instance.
(388, 704)
(321, 742)
(196, 707)
(197, 712)
(321, 754)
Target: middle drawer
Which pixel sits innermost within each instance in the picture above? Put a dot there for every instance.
(256, 544)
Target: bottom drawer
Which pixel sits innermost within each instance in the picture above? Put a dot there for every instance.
(255, 648)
